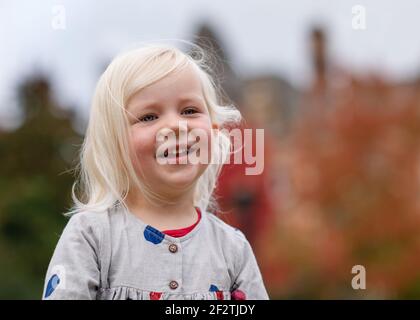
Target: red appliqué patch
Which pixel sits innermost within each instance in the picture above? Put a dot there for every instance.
(155, 295)
(238, 295)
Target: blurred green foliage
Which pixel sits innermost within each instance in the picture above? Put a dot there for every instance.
(35, 189)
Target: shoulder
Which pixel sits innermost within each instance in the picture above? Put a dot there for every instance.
(89, 224)
(225, 232)
(88, 220)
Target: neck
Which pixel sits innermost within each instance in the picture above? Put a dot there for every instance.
(179, 213)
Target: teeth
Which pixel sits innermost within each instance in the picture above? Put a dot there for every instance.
(174, 153)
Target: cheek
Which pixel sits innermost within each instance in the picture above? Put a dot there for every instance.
(203, 125)
(142, 143)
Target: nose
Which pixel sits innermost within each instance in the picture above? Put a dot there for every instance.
(174, 125)
(177, 124)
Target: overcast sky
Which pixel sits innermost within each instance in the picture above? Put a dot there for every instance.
(263, 35)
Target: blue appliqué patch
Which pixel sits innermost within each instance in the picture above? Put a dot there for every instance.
(153, 235)
(51, 285)
(213, 288)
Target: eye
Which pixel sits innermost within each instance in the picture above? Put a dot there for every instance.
(148, 118)
(189, 110)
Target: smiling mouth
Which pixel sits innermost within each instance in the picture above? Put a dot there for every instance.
(177, 152)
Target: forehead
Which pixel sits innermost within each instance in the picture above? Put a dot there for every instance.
(180, 84)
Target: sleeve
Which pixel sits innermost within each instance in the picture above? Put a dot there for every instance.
(73, 272)
(248, 284)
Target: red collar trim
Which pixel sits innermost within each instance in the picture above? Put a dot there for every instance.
(182, 232)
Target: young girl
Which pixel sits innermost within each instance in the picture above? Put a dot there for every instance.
(143, 229)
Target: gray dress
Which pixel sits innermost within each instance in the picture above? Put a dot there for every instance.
(114, 255)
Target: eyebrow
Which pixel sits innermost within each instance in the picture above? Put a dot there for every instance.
(144, 105)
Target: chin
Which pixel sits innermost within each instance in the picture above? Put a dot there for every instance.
(180, 178)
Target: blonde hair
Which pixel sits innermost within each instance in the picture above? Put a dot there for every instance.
(105, 170)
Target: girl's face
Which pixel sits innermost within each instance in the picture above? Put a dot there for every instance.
(174, 103)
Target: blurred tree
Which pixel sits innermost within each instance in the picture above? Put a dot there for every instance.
(353, 198)
(34, 189)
